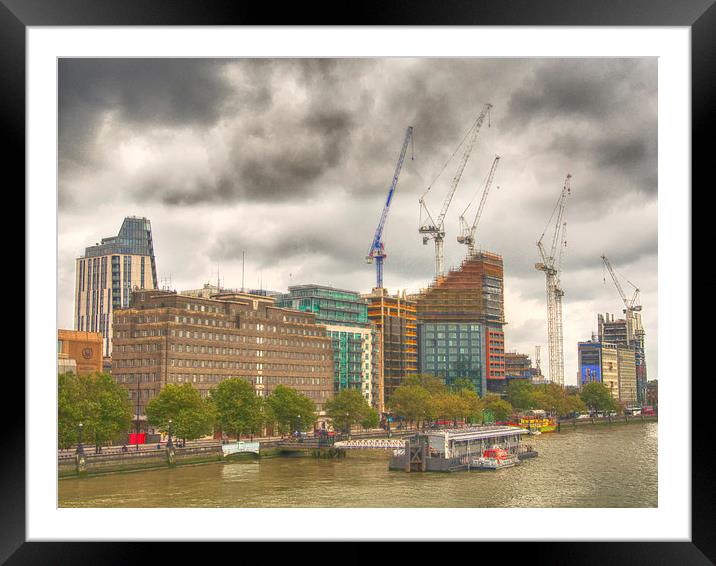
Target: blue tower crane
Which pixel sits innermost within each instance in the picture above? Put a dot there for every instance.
(377, 249)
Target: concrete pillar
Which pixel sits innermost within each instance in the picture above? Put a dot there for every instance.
(407, 455)
(171, 456)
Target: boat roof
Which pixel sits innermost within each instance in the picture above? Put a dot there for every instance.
(477, 432)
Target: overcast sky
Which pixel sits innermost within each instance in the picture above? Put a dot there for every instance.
(291, 160)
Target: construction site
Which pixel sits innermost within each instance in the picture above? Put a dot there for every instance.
(454, 327)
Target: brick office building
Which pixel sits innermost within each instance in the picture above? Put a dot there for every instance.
(164, 337)
(79, 352)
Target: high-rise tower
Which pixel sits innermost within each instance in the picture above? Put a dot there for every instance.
(108, 272)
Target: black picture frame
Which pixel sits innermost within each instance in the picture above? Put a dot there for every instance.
(699, 15)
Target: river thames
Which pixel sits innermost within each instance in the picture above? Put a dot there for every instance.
(591, 466)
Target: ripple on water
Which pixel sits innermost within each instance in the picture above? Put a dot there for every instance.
(600, 466)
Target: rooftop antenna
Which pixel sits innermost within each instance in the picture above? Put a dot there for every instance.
(243, 264)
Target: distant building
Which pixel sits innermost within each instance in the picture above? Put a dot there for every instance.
(108, 272)
(625, 332)
(395, 320)
(610, 369)
(627, 375)
(164, 337)
(589, 355)
(79, 352)
(518, 366)
(355, 340)
(454, 313)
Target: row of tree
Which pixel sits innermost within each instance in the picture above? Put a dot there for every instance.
(423, 399)
(523, 395)
(105, 411)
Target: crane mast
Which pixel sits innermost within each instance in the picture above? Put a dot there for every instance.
(377, 249)
(467, 235)
(551, 265)
(435, 228)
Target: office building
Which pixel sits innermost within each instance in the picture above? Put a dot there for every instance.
(631, 333)
(452, 312)
(355, 339)
(163, 337)
(79, 352)
(108, 272)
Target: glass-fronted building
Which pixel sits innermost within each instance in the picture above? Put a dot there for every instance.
(345, 315)
(589, 355)
(108, 272)
(453, 351)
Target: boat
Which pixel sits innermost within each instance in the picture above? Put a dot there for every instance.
(494, 458)
(535, 420)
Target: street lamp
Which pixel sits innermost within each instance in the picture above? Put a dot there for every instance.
(300, 436)
(348, 425)
(80, 448)
(169, 440)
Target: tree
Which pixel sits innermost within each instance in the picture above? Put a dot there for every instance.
(192, 417)
(597, 397)
(473, 405)
(94, 400)
(412, 402)
(372, 420)
(290, 410)
(500, 408)
(521, 394)
(238, 409)
(462, 384)
(347, 408)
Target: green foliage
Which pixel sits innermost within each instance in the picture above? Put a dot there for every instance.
(238, 409)
(94, 400)
(192, 417)
(428, 382)
(501, 409)
(462, 384)
(521, 394)
(597, 397)
(289, 410)
(347, 408)
(412, 402)
(372, 420)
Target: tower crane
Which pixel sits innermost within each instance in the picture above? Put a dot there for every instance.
(435, 228)
(377, 249)
(551, 264)
(631, 304)
(467, 233)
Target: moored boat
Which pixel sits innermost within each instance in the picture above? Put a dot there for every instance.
(494, 458)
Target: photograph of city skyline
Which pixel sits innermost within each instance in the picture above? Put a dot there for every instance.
(297, 282)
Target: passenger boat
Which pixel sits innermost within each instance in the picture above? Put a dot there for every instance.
(535, 421)
(494, 458)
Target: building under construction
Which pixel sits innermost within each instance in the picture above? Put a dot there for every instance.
(460, 324)
(627, 333)
(395, 319)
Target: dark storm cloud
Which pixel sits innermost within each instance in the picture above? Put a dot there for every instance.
(579, 88)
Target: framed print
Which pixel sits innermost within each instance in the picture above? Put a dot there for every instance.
(411, 277)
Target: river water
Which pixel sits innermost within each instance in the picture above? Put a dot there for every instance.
(591, 466)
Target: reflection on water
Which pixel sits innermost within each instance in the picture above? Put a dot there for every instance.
(600, 466)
